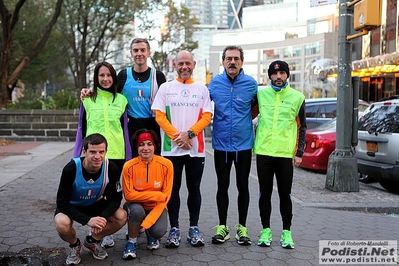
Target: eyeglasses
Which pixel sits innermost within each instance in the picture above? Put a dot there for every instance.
(229, 59)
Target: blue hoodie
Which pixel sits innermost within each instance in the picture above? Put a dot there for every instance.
(232, 118)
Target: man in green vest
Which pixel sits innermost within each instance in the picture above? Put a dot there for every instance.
(279, 146)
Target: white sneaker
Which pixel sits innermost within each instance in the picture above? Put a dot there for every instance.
(74, 255)
(108, 241)
(96, 249)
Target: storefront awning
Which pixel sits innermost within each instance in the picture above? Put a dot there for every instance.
(372, 66)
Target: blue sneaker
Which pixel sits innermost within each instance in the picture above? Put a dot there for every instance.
(152, 243)
(130, 251)
(173, 240)
(195, 237)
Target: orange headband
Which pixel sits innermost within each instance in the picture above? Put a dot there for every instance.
(144, 136)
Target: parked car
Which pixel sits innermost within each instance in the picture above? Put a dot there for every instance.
(321, 110)
(377, 151)
(320, 143)
(390, 98)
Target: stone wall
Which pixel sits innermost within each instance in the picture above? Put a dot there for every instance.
(45, 125)
(39, 125)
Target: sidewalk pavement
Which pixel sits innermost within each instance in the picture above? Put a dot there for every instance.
(28, 185)
(21, 158)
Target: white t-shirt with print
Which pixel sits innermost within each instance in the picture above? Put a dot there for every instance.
(183, 104)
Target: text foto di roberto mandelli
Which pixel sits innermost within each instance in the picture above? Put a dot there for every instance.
(359, 242)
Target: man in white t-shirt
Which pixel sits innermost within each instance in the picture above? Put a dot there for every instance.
(183, 110)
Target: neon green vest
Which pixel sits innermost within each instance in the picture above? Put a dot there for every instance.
(277, 131)
(103, 117)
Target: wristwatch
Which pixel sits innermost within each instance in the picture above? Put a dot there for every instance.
(190, 134)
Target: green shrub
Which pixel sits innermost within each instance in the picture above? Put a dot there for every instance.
(64, 100)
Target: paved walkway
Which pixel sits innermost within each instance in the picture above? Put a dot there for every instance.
(28, 185)
(21, 158)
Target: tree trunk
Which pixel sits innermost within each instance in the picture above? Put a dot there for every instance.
(5, 55)
(39, 46)
(18, 69)
(5, 52)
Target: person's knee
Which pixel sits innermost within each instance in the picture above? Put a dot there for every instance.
(135, 213)
(62, 223)
(159, 229)
(120, 217)
(158, 232)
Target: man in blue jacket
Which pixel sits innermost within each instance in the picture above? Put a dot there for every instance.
(234, 95)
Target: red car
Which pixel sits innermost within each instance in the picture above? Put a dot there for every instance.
(320, 143)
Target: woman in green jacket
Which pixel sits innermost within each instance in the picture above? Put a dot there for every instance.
(104, 112)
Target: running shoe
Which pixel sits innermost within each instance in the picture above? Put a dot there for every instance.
(95, 248)
(73, 257)
(242, 235)
(195, 238)
(286, 239)
(265, 237)
(130, 251)
(152, 243)
(173, 240)
(222, 234)
(108, 241)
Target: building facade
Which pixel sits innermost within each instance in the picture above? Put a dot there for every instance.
(304, 39)
(377, 61)
(235, 8)
(210, 14)
(299, 53)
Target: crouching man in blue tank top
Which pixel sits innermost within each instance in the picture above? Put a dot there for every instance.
(89, 193)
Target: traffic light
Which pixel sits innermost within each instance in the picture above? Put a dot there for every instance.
(209, 76)
(367, 15)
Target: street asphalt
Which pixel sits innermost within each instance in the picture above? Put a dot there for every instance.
(29, 179)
